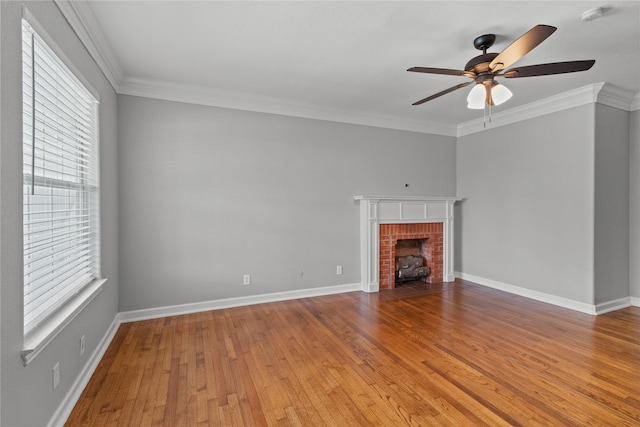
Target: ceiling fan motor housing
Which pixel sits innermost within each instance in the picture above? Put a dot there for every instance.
(480, 64)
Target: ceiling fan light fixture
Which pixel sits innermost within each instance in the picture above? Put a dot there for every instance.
(483, 69)
(500, 94)
(477, 97)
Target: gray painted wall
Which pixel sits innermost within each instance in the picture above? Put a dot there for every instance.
(27, 396)
(203, 185)
(634, 204)
(209, 194)
(527, 218)
(611, 204)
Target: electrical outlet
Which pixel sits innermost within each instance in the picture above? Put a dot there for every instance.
(56, 375)
(81, 345)
(339, 270)
(247, 279)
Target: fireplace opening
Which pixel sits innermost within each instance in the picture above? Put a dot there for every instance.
(429, 246)
(411, 260)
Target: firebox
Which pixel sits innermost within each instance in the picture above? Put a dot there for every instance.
(411, 260)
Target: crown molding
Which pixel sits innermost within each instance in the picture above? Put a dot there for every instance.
(601, 93)
(194, 94)
(616, 97)
(84, 23)
(82, 20)
(559, 102)
(635, 104)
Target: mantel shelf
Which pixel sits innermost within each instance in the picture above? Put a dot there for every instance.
(409, 198)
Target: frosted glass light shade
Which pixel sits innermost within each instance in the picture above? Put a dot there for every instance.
(476, 98)
(500, 94)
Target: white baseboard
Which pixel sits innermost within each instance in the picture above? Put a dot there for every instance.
(70, 400)
(538, 296)
(174, 310)
(605, 307)
(371, 287)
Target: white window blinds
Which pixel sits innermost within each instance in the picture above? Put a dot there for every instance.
(60, 182)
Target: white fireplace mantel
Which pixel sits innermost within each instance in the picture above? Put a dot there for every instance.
(376, 210)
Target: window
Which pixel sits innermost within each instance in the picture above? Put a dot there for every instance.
(60, 183)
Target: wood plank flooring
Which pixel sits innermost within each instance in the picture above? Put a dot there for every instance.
(440, 354)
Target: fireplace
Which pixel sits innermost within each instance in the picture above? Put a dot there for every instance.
(384, 220)
(417, 239)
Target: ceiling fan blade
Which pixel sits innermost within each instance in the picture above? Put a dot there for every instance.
(444, 71)
(548, 69)
(444, 92)
(519, 48)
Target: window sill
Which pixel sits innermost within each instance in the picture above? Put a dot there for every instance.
(44, 334)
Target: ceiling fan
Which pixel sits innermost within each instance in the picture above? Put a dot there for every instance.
(483, 69)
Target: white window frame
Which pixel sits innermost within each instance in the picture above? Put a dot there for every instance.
(61, 191)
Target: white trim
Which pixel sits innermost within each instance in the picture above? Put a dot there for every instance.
(376, 210)
(615, 97)
(71, 398)
(602, 93)
(606, 307)
(84, 23)
(174, 310)
(407, 198)
(559, 102)
(60, 53)
(528, 293)
(370, 287)
(43, 335)
(201, 95)
(635, 103)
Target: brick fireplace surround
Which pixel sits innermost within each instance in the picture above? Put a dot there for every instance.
(389, 236)
(385, 219)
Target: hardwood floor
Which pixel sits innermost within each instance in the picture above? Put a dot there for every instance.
(452, 354)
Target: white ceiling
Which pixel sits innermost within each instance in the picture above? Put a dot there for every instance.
(352, 56)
